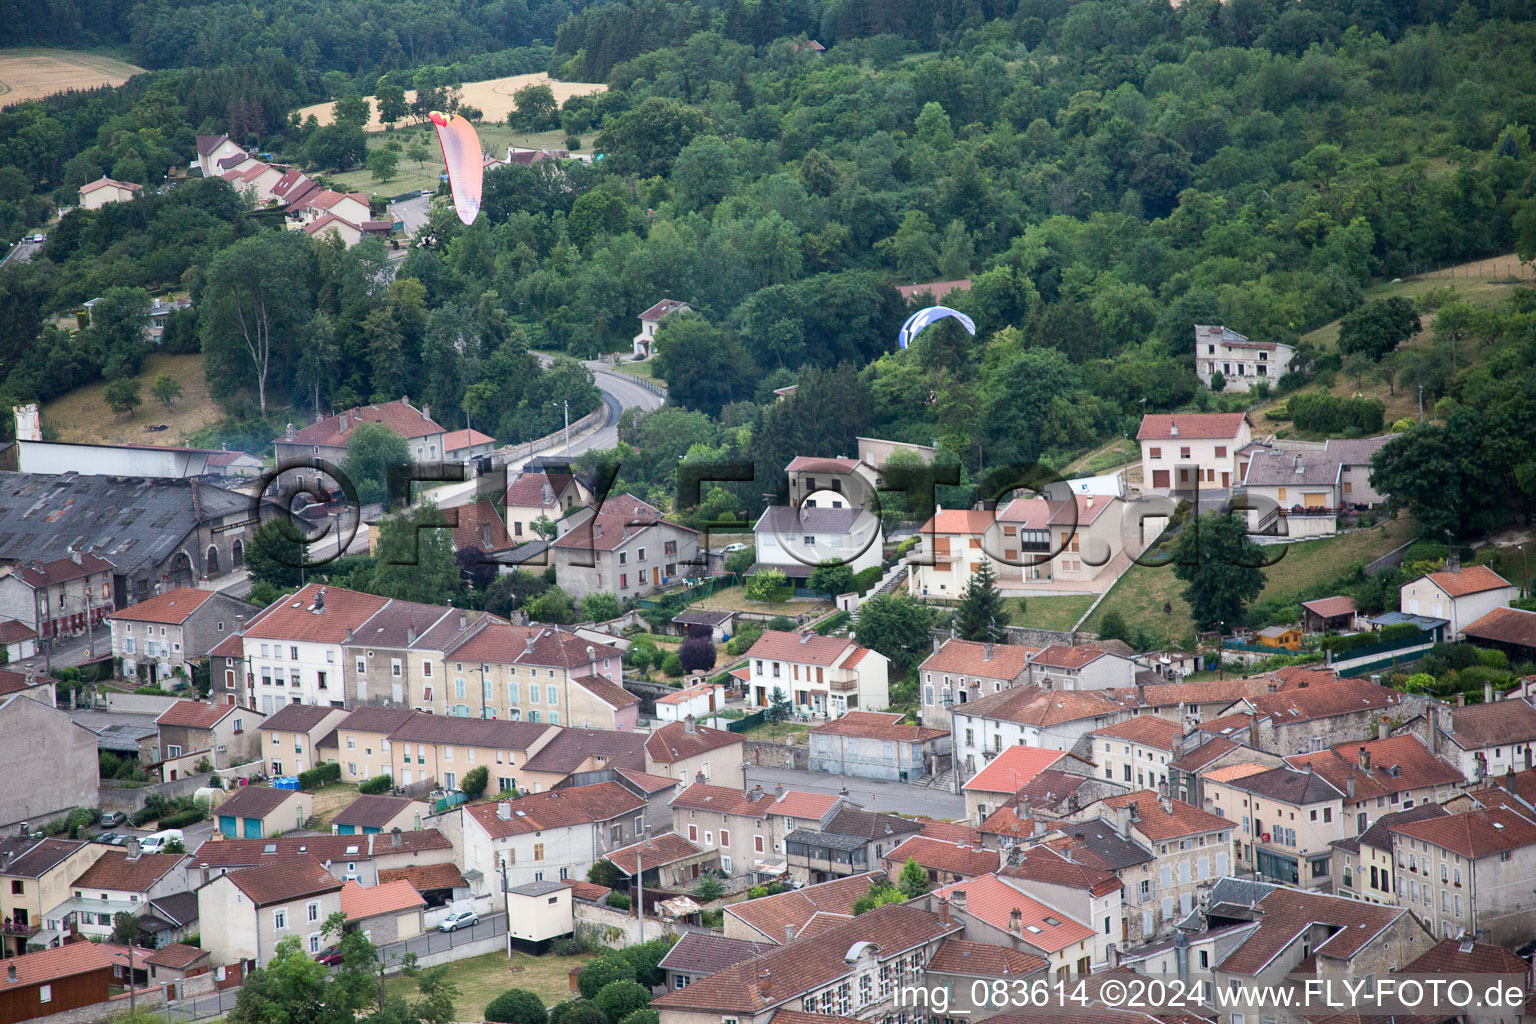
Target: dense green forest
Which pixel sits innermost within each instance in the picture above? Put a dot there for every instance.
(1107, 173)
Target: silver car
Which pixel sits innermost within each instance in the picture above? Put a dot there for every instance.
(459, 919)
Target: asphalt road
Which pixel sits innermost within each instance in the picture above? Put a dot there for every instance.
(412, 213)
(872, 795)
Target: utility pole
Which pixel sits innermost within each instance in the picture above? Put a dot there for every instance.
(640, 894)
(565, 402)
(1421, 403)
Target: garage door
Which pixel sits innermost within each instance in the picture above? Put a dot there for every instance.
(1159, 478)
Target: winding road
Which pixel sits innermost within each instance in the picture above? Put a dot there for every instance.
(620, 391)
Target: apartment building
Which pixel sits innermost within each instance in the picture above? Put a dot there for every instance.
(1009, 771)
(441, 749)
(809, 476)
(1313, 715)
(625, 548)
(1137, 750)
(959, 671)
(1469, 874)
(1031, 717)
(391, 656)
(1088, 893)
(326, 439)
(365, 859)
(227, 734)
(163, 635)
(245, 914)
(361, 745)
(776, 920)
(1364, 865)
(1488, 739)
(1284, 819)
(689, 752)
(876, 745)
(296, 648)
(826, 676)
(62, 597)
(1241, 363)
(997, 912)
(35, 877)
(1084, 667)
(1380, 776)
(1064, 540)
(291, 735)
(740, 824)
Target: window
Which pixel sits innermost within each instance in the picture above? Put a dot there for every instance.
(314, 911)
(538, 851)
(1221, 451)
(314, 942)
(1154, 453)
(293, 652)
(426, 669)
(725, 837)
(172, 750)
(45, 994)
(279, 920)
(551, 695)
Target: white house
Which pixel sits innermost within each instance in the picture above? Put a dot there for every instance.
(120, 881)
(826, 676)
(104, 190)
(294, 649)
(698, 701)
(796, 540)
(1242, 363)
(1183, 450)
(216, 150)
(1460, 596)
(1085, 667)
(649, 320)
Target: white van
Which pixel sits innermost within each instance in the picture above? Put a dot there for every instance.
(153, 844)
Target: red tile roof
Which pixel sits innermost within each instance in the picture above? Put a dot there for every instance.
(1210, 426)
(951, 832)
(376, 719)
(1049, 866)
(177, 956)
(1448, 957)
(1063, 656)
(1227, 724)
(528, 491)
(957, 522)
(50, 965)
(1012, 769)
(280, 883)
(479, 526)
(647, 783)
(589, 891)
(797, 803)
(294, 619)
(113, 871)
(878, 725)
(1178, 820)
(557, 808)
(1505, 626)
(454, 440)
(384, 898)
(621, 519)
(665, 307)
(296, 718)
(992, 900)
(655, 852)
(424, 877)
(1147, 730)
(1330, 607)
(243, 853)
(675, 742)
(1005, 821)
(724, 800)
(12, 630)
(1490, 725)
(63, 570)
(770, 914)
(1032, 705)
(968, 658)
(398, 416)
(1328, 700)
(195, 714)
(942, 856)
(962, 956)
(805, 648)
(607, 691)
(1474, 834)
(1287, 913)
(1203, 755)
(937, 289)
(1472, 580)
(1398, 764)
(814, 464)
(171, 607)
(254, 802)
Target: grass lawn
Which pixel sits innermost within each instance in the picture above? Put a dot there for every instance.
(776, 732)
(641, 369)
(735, 599)
(82, 415)
(329, 799)
(412, 176)
(1139, 595)
(1049, 612)
(482, 978)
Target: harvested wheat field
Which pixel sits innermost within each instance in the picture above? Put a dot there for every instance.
(493, 97)
(31, 74)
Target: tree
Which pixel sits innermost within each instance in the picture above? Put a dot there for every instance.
(577, 1011)
(778, 709)
(516, 1006)
(553, 606)
(1112, 627)
(766, 585)
(645, 139)
(122, 395)
(473, 782)
(276, 552)
(166, 390)
(981, 615)
(672, 665)
(391, 100)
(914, 880)
(1377, 327)
(534, 108)
(476, 569)
(832, 578)
(418, 152)
(600, 607)
(382, 163)
(125, 929)
(697, 654)
(604, 971)
(879, 894)
(709, 888)
(120, 326)
(739, 562)
(605, 873)
(340, 146)
(415, 557)
(1218, 381)
(619, 999)
(351, 110)
(256, 298)
(372, 448)
(1222, 566)
(643, 1016)
(896, 625)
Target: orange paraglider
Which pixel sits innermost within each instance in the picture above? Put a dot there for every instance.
(466, 168)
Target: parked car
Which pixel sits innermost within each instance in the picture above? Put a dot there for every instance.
(459, 919)
(153, 844)
(112, 819)
(110, 838)
(329, 955)
(733, 548)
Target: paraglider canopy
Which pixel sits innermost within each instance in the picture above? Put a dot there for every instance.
(923, 317)
(466, 168)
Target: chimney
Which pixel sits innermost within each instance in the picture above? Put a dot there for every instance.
(1173, 430)
(1039, 827)
(986, 651)
(504, 811)
(134, 849)
(936, 645)
(699, 779)
(1016, 920)
(957, 898)
(1365, 760)
(463, 620)
(1123, 821)
(528, 643)
(789, 934)
(1349, 787)
(288, 433)
(239, 624)
(426, 411)
(6, 860)
(1461, 700)
(22, 830)
(10, 972)
(410, 635)
(320, 600)
(944, 917)
(805, 637)
(1383, 727)
(1487, 693)
(765, 985)
(689, 726)
(74, 556)
(778, 791)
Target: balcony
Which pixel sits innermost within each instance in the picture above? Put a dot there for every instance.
(843, 685)
(17, 928)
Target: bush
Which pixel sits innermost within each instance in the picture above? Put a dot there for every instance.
(866, 578)
(605, 970)
(517, 1006)
(183, 818)
(671, 665)
(567, 946)
(618, 901)
(605, 873)
(1328, 414)
(697, 654)
(474, 781)
(709, 888)
(377, 784)
(320, 775)
(645, 1016)
(835, 621)
(646, 958)
(1354, 641)
(619, 999)
(742, 642)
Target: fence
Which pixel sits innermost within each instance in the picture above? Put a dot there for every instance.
(659, 390)
(743, 724)
(214, 1004)
(688, 595)
(491, 926)
(1497, 268)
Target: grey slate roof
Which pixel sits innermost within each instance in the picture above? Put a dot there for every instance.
(830, 840)
(538, 888)
(124, 738)
(1279, 469)
(784, 519)
(1288, 785)
(178, 908)
(1101, 839)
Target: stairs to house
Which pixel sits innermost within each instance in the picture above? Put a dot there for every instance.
(893, 579)
(944, 781)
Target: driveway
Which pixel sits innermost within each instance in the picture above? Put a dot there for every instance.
(872, 795)
(412, 213)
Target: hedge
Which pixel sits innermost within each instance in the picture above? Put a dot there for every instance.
(320, 775)
(375, 785)
(866, 578)
(181, 818)
(834, 621)
(1343, 644)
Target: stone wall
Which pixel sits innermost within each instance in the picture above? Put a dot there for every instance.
(776, 755)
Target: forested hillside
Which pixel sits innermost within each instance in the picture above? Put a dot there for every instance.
(1106, 173)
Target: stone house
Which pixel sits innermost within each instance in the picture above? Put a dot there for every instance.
(1241, 363)
(40, 788)
(299, 451)
(875, 745)
(165, 634)
(959, 671)
(227, 734)
(1469, 874)
(626, 548)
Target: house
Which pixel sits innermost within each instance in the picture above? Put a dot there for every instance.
(1465, 958)
(361, 745)
(645, 341)
(1084, 667)
(392, 654)
(624, 548)
(1312, 715)
(1184, 450)
(104, 190)
(169, 920)
(853, 842)
(696, 955)
(442, 748)
(366, 859)
(949, 552)
(291, 734)
(539, 913)
(997, 912)
(17, 639)
(966, 970)
(40, 788)
(540, 495)
(1484, 741)
(1510, 630)
(699, 701)
(942, 862)
(826, 676)
(164, 635)
(543, 837)
(1203, 753)
(875, 745)
(214, 149)
(795, 540)
(574, 751)
(1363, 864)
(1040, 539)
(830, 972)
(1460, 596)
(1293, 493)
(1009, 771)
(177, 962)
(326, 440)
(666, 861)
(467, 444)
(816, 482)
(717, 625)
(261, 812)
(962, 670)
(740, 824)
(1468, 874)
(685, 751)
(1032, 717)
(1285, 820)
(122, 880)
(777, 919)
(348, 207)
(377, 813)
(1328, 614)
(226, 734)
(246, 913)
(56, 980)
(387, 912)
(933, 289)
(478, 525)
(187, 529)
(255, 180)
(297, 650)
(38, 688)
(1240, 362)
(1088, 893)
(62, 597)
(34, 879)
(1137, 750)
(330, 225)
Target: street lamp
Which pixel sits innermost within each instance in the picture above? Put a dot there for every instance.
(565, 403)
(132, 985)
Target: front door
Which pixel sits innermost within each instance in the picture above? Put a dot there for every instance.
(1226, 479)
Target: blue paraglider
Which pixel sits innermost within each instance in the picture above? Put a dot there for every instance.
(923, 317)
